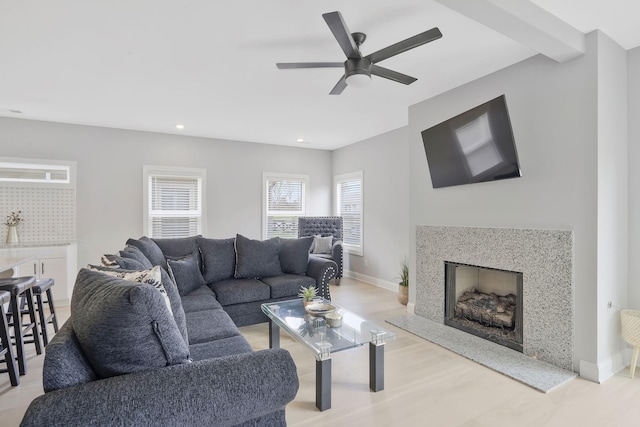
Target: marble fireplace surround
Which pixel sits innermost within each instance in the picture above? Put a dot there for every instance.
(545, 257)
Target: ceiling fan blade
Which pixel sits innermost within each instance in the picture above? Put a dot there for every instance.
(376, 70)
(342, 34)
(405, 45)
(290, 65)
(340, 86)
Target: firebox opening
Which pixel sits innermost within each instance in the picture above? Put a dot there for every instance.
(484, 301)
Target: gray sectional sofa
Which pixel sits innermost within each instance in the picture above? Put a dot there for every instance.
(153, 338)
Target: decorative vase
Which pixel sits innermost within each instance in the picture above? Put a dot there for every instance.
(12, 234)
(403, 294)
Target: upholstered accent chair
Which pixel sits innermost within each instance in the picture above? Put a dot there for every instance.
(324, 226)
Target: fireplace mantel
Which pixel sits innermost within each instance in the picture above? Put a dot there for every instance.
(545, 257)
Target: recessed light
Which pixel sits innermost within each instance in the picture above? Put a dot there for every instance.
(300, 140)
(179, 126)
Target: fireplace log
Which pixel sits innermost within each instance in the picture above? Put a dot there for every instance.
(488, 309)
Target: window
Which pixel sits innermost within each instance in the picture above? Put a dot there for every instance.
(349, 207)
(36, 173)
(174, 201)
(284, 201)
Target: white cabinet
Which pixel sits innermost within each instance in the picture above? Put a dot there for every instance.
(56, 262)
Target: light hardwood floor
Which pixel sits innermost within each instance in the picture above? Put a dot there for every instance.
(424, 384)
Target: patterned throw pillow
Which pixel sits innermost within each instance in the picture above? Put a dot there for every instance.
(322, 245)
(152, 277)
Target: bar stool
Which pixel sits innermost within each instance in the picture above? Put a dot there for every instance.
(43, 286)
(17, 287)
(6, 349)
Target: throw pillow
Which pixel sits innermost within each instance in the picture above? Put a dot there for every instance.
(185, 273)
(116, 261)
(218, 258)
(257, 258)
(124, 327)
(152, 277)
(178, 247)
(135, 253)
(150, 250)
(294, 255)
(322, 245)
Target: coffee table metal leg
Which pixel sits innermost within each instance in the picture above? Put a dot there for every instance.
(376, 366)
(323, 384)
(274, 335)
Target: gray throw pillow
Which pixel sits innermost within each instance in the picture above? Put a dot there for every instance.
(322, 245)
(218, 258)
(135, 253)
(257, 258)
(124, 327)
(150, 250)
(185, 273)
(177, 246)
(294, 255)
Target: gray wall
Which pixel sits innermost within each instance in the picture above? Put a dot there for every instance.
(109, 185)
(384, 162)
(553, 110)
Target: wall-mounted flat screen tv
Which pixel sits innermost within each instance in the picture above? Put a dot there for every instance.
(475, 146)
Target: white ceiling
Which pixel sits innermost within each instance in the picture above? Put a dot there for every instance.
(210, 65)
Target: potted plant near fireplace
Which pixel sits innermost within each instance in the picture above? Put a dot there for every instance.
(403, 285)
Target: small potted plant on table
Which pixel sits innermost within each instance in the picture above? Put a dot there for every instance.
(308, 294)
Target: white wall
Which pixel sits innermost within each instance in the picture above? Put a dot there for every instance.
(553, 113)
(612, 202)
(384, 161)
(109, 185)
(633, 93)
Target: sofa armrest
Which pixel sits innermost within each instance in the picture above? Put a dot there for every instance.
(223, 392)
(322, 270)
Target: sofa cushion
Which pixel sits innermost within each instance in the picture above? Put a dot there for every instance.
(210, 325)
(257, 258)
(288, 285)
(218, 258)
(135, 253)
(322, 245)
(177, 247)
(150, 250)
(185, 272)
(220, 348)
(124, 327)
(294, 255)
(238, 291)
(201, 299)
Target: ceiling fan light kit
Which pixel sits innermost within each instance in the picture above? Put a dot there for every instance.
(357, 68)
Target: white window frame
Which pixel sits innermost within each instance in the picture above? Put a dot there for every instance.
(356, 249)
(273, 176)
(170, 171)
(40, 164)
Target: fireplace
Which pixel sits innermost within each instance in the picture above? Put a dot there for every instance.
(545, 259)
(484, 301)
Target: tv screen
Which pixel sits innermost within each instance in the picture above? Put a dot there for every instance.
(475, 146)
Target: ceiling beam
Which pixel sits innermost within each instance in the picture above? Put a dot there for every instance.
(526, 23)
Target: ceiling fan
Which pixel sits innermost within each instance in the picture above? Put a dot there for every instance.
(357, 68)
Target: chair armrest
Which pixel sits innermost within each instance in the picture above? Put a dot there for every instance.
(336, 254)
(222, 392)
(322, 270)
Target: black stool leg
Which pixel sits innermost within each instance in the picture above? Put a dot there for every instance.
(5, 339)
(17, 334)
(43, 321)
(34, 322)
(52, 310)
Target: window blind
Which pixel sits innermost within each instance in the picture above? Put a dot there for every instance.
(175, 206)
(349, 207)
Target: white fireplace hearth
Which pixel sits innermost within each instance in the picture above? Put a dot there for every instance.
(545, 258)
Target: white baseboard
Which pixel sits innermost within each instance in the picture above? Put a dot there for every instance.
(371, 280)
(605, 369)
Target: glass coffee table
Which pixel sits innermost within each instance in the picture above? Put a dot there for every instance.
(316, 333)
